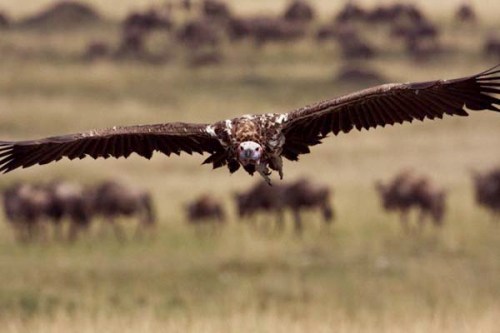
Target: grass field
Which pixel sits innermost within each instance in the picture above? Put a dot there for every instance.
(362, 274)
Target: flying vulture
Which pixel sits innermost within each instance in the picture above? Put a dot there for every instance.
(258, 142)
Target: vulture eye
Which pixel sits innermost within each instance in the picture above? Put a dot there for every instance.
(257, 149)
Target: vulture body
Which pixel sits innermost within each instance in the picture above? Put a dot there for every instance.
(259, 142)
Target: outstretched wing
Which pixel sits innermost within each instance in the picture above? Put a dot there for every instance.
(116, 142)
(389, 104)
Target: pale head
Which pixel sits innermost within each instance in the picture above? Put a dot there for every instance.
(249, 153)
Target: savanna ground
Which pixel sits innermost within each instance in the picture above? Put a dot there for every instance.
(362, 274)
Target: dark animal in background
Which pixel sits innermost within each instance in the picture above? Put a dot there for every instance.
(205, 209)
(263, 30)
(4, 20)
(26, 206)
(487, 190)
(356, 48)
(65, 15)
(350, 12)
(215, 10)
(492, 47)
(132, 44)
(152, 19)
(259, 142)
(197, 34)
(187, 5)
(466, 13)
(296, 197)
(299, 11)
(409, 191)
(302, 195)
(113, 200)
(261, 198)
(137, 28)
(68, 201)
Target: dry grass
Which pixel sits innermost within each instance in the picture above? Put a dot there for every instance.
(362, 275)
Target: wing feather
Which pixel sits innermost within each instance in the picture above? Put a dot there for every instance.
(390, 104)
(114, 142)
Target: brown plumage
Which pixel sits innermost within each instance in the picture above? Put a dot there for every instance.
(258, 142)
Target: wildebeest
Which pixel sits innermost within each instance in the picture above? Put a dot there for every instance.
(409, 191)
(264, 30)
(492, 46)
(205, 209)
(31, 207)
(296, 196)
(350, 12)
(355, 47)
(487, 190)
(63, 14)
(351, 44)
(69, 201)
(215, 10)
(299, 11)
(26, 206)
(132, 44)
(199, 33)
(465, 13)
(149, 20)
(112, 200)
(4, 20)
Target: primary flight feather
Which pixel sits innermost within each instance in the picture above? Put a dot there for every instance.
(258, 142)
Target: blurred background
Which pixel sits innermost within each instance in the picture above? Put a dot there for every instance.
(203, 260)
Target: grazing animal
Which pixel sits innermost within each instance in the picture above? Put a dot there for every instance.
(492, 46)
(152, 19)
(407, 191)
(4, 20)
(263, 30)
(215, 10)
(350, 12)
(26, 206)
(487, 190)
(198, 33)
(296, 196)
(111, 200)
(303, 194)
(299, 11)
(205, 209)
(466, 13)
(69, 201)
(63, 14)
(259, 142)
(261, 197)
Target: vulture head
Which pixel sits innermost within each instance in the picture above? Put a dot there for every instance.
(249, 153)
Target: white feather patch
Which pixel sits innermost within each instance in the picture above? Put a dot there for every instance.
(210, 130)
(282, 118)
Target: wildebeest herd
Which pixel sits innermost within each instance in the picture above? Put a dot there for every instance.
(31, 208)
(204, 27)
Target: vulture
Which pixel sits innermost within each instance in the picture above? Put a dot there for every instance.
(259, 142)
